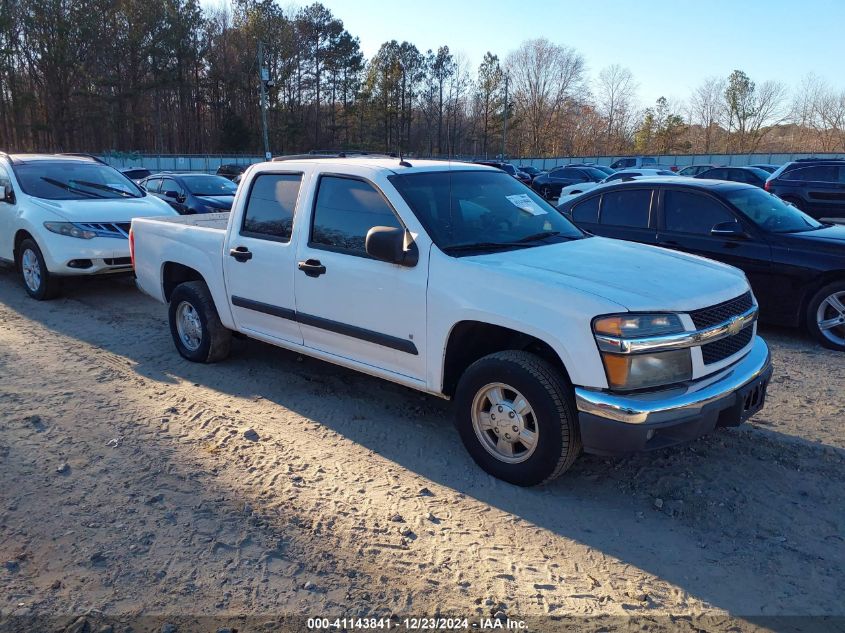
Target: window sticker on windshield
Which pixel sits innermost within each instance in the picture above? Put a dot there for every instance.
(524, 202)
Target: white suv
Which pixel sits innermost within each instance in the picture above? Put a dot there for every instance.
(63, 215)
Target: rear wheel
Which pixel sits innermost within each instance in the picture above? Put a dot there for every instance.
(195, 325)
(37, 280)
(826, 316)
(516, 417)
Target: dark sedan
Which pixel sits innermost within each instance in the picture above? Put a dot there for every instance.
(749, 175)
(192, 193)
(796, 265)
(549, 185)
(521, 176)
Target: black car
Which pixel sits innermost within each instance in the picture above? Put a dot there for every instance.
(816, 186)
(796, 265)
(531, 171)
(136, 174)
(521, 176)
(766, 167)
(549, 185)
(192, 193)
(749, 175)
(231, 170)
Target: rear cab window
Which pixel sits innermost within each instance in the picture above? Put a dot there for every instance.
(271, 206)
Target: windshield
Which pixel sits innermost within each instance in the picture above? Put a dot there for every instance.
(71, 180)
(479, 208)
(769, 212)
(209, 185)
(595, 174)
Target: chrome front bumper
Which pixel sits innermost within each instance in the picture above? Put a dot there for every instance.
(611, 422)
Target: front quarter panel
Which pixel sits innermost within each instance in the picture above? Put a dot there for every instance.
(558, 315)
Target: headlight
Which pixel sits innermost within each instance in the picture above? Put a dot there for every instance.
(627, 371)
(69, 229)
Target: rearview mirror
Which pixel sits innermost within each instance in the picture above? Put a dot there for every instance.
(728, 229)
(395, 246)
(8, 194)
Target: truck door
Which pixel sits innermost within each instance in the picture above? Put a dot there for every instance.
(260, 259)
(349, 304)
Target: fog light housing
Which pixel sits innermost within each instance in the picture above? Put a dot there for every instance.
(80, 263)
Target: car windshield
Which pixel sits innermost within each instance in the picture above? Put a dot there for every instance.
(73, 180)
(481, 210)
(771, 213)
(595, 174)
(201, 185)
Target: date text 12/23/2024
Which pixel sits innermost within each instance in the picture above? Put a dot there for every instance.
(415, 624)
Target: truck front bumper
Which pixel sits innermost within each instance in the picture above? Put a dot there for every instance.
(615, 424)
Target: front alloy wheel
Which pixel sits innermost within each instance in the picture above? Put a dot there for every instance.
(37, 280)
(826, 316)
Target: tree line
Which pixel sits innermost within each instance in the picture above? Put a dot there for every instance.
(172, 76)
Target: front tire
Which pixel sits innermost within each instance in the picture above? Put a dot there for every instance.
(826, 316)
(37, 280)
(195, 325)
(516, 417)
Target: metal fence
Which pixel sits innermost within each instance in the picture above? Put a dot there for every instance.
(209, 163)
(679, 160)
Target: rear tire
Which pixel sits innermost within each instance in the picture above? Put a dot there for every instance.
(36, 279)
(195, 325)
(518, 400)
(826, 316)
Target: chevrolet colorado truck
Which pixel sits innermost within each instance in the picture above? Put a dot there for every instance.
(457, 280)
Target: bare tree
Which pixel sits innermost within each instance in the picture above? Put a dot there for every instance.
(750, 108)
(707, 109)
(615, 93)
(543, 76)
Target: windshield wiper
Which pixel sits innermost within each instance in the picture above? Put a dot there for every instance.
(67, 187)
(482, 246)
(538, 236)
(95, 185)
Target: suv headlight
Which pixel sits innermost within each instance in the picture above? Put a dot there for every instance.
(69, 229)
(628, 369)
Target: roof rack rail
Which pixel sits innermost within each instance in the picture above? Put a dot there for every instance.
(317, 154)
(83, 155)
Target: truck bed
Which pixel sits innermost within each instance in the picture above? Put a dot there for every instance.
(192, 241)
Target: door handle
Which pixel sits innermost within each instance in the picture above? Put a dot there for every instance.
(241, 253)
(312, 267)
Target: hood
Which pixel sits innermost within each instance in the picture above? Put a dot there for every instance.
(106, 210)
(635, 276)
(830, 239)
(218, 202)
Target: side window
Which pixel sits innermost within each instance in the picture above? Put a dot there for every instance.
(153, 185)
(4, 178)
(345, 210)
(587, 211)
(817, 173)
(686, 212)
(168, 184)
(270, 208)
(630, 207)
(568, 173)
(715, 174)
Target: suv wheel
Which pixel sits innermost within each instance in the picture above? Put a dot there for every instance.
(37, 280)
(826, 316)
(516, 417)
(195, 325)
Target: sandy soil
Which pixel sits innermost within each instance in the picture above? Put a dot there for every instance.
(137, 484)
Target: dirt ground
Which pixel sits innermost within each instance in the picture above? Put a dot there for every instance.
(134, 483)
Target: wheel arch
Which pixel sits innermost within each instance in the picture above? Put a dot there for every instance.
(470, 340)
(823, 280)
(173, 274)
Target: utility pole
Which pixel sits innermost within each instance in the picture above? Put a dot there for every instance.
(263, 83)
(505, 122)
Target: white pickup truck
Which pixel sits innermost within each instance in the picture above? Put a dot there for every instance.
(459, 281)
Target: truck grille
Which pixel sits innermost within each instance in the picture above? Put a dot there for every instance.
(721, 312)
(720, 350)
(107, 229)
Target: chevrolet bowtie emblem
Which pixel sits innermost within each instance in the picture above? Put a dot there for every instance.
(735, 326)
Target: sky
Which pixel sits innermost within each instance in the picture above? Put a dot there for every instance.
(670, 47)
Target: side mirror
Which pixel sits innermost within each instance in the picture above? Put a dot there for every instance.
(8, 194)
(171, 194)
(729, 230)
(395, 246)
